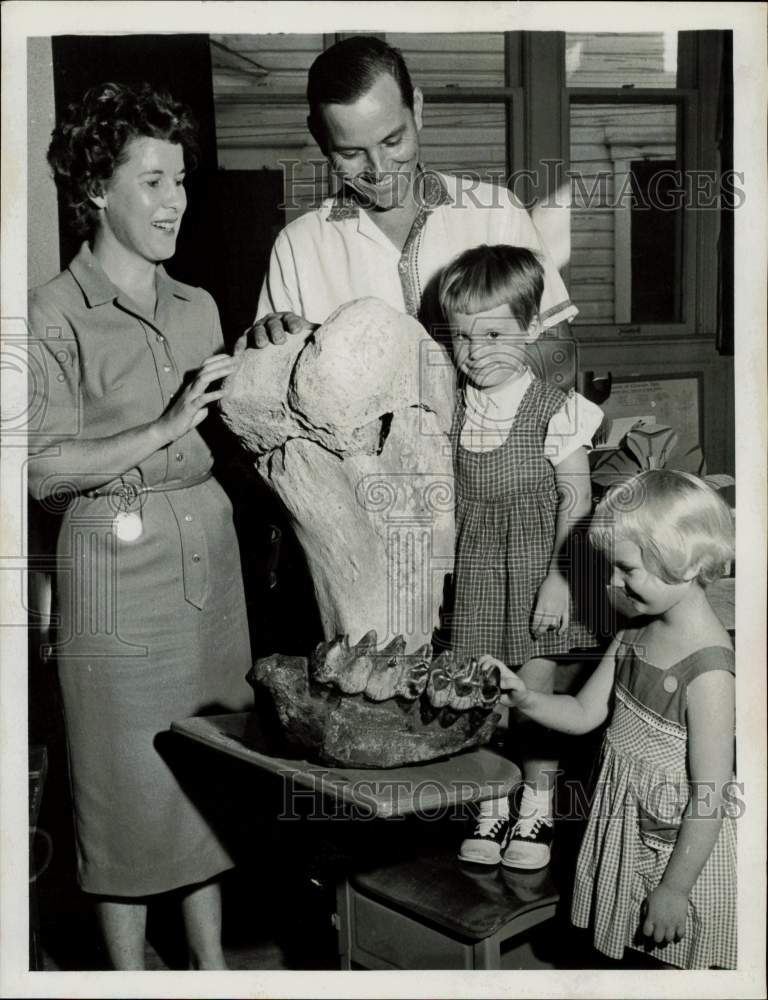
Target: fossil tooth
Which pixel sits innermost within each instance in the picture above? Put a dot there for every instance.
(382, 680)
(439, 683)
(465, 682)
(368, 643)
(354, 678)
(330, 658)
(488, 691)
(424, 652)
(395, 648)
(413, 680)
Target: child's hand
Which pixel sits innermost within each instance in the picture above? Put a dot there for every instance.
(510, 682)
(665, 913)
(552, 611)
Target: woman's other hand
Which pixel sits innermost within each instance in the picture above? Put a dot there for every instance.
(191, 405)
(273, 329)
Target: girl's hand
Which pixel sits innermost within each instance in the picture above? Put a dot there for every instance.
(552, 611)
(510, 682)
(191, 405)
(665, 913)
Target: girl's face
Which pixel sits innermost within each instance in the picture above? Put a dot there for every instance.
(490, 347)
(144, 200)
(638, 591)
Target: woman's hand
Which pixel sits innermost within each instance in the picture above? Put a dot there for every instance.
(552, 611)
(191, 405)
(273, 329)
(510, 683)
(665, 913)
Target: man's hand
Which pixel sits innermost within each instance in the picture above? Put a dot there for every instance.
(273, 329)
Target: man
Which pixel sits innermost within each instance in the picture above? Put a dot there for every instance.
(394, 225)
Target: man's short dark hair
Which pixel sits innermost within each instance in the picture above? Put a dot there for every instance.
(348, 69)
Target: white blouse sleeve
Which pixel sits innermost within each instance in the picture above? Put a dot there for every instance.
(571, 427)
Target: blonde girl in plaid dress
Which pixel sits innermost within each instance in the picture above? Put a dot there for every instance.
(522, 481)
(657, 866)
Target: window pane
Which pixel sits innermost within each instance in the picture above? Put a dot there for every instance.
(455, 60)
(465, 139)
(621, 60)
(625, 221)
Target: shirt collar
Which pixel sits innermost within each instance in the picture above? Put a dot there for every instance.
(503, 400)
(432, 193)
(99, 289)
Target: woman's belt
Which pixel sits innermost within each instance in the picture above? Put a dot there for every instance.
(127, 490)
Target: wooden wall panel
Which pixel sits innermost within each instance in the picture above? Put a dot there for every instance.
(459, 60)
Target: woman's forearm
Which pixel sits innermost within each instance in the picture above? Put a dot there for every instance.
(76, 465)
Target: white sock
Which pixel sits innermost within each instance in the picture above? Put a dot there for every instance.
(494, 808)
(536, 799)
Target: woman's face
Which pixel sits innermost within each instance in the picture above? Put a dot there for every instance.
(144, 200)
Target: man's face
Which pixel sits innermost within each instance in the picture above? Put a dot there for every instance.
(373, 143)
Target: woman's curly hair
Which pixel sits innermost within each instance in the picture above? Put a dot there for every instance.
(89, 142)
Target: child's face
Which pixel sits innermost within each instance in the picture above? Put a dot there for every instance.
(490, 347)
(634, 585)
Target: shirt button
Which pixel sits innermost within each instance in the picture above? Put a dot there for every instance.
(179, 456)
(195, 557)
(166, 368)
(187, 517)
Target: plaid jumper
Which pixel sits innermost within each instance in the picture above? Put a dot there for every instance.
(641, 795)
(506, 510)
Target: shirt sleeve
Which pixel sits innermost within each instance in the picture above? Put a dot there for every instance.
(571, 428)
(214, 324)
(280, 290)
(54, 400)
(556, 306)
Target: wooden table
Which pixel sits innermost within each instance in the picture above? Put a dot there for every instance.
(424, 911)
(471, 776)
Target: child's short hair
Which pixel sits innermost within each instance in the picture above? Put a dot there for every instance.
(489, 276)
(674, 518)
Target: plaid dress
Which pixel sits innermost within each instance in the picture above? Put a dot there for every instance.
(506, 510)
(642, 792)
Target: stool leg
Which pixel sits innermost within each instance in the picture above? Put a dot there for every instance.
(487, 953)
(343, 923)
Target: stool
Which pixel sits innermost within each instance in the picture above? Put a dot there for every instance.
(434, 912)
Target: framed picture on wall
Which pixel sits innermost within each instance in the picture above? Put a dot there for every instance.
(673, 400)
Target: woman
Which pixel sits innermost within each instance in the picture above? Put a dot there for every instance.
(149, 590)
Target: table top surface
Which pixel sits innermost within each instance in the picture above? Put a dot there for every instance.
(418, 789)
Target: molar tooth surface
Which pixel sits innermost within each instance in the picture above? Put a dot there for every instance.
(354, 678)
(368, 643)
(439, 683)
(330, 658)
(488, 691)
(462, 689)
(424, 653)
(413, 680)
(382, 680)
(396, 647)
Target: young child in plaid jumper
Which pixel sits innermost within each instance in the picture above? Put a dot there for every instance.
(522, 482)
(657, 866)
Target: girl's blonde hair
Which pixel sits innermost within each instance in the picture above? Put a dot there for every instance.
(676, 520)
